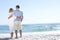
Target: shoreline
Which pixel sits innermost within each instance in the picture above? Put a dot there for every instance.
(51, 35)
(42, 32)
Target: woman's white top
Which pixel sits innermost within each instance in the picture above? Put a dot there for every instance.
(11, 20)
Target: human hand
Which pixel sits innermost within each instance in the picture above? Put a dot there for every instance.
(18, 16)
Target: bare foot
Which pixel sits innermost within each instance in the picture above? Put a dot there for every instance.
(16, 37)
(10, 37)
(20, 36)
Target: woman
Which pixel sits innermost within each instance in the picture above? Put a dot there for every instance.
(11, 21)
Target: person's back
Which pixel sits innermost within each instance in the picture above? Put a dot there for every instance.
(18, 13)
(12, 18)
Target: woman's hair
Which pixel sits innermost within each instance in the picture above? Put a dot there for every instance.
(10, 10)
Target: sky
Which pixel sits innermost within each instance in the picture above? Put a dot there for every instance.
(35, 11)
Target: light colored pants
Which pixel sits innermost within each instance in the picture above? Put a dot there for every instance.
(17, 25)
(11, 27)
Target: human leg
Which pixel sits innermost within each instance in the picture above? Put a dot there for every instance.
(20, 29)
(11, 34)
(16, 29)
(20, 33)
(16, 34)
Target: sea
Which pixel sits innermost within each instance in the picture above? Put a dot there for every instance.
(33, 27)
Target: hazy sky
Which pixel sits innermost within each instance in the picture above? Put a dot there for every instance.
(35, 11)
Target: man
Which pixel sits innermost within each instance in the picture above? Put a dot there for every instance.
(17, 22)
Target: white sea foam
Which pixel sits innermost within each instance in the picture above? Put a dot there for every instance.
(51, 35)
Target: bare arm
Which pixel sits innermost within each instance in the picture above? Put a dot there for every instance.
(18, 17)
(9, 16)
(22, 17)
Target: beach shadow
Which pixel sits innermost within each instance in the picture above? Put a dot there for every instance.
(7, 39)
(4, 38)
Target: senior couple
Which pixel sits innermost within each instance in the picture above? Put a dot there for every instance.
(15, 18)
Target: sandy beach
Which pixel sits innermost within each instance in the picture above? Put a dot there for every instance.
(50, 35)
